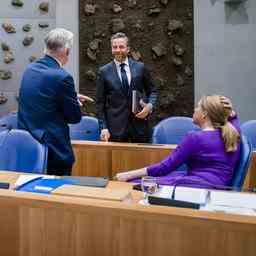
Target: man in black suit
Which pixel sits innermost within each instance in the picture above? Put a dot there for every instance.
(48, 101)
(115, 83)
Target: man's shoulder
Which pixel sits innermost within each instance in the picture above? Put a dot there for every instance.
(42, 69)
(136, 62)
(106, 67)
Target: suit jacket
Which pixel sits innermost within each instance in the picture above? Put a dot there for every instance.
(47, 103)
(113, 106)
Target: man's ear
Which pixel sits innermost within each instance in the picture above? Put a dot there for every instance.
(67, 51)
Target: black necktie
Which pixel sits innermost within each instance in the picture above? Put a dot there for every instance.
(125, 84)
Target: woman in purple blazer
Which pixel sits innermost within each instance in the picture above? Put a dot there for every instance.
(210, 154)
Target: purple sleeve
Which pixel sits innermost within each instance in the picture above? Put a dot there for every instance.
(179, 156)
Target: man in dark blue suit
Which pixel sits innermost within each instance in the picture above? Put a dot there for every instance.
(48, 102)
(115, 83)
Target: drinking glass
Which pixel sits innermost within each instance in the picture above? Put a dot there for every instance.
(148, 186)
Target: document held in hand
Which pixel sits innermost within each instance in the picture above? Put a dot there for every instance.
(136, 99)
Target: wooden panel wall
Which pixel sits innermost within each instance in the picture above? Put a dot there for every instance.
(55, 225)
(106, 159)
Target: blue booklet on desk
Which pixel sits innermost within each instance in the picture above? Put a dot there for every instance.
(43, 185)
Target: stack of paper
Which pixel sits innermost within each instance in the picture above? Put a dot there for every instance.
(26, 178)
(227, 209)
(193, 195)
(233, 199)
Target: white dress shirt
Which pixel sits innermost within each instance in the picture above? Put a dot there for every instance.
(126, 68)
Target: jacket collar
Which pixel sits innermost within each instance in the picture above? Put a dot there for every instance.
(53, 61)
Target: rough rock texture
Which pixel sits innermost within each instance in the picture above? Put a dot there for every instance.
(5, 46)
(28, 40)
(8, 57)
(26, 28)
(17, 3)
(32, 58)
(8, 27)
(161, 35)
(5, 74)
(44, 7)
(43, 24)
(3, 99)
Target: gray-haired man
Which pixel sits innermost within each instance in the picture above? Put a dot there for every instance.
(48, 101)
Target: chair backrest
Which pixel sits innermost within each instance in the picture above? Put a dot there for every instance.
(242, 165)
(19, 151)
(172, 130)
(9, 121)
(249, 130)
(86, 129)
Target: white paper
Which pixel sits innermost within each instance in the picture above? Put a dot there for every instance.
(229, 210)
(193, 195)
(233, 199)
(25, 178)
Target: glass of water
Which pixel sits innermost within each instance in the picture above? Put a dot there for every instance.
(148, 186)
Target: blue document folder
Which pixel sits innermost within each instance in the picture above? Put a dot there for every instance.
(42, 185)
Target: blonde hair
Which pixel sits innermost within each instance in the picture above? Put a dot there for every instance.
(218, 114)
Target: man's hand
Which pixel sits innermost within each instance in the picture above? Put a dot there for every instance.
(147, 108)
(105, 135)
(83, 98)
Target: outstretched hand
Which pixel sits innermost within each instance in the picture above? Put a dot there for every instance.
(83, 98)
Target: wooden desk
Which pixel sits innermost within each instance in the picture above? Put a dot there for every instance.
(51, 225)
(106, 159)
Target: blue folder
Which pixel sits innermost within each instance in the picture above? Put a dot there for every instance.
(44, 186)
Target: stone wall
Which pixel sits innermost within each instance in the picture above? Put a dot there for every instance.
(161, 35)
(23, 26)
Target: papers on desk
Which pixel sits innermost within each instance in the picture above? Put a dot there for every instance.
(227, 209)
(233, 199)
(231, 202)
(193, 195)
(26, 178)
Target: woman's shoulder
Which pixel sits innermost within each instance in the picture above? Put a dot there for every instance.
(199, 135)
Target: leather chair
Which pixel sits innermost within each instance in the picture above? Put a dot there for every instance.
(242, 167)
(249, 130)
(9, 122)
(86, 129)
(172, 130)
(20, 152)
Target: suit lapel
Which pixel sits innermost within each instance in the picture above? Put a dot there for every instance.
(116, 79)
(133, 72)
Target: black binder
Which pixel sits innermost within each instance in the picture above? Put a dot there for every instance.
(87, 181)
(4, 185)
(172, 202)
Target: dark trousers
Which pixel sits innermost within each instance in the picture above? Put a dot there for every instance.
(57, 167)
(135, 135)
